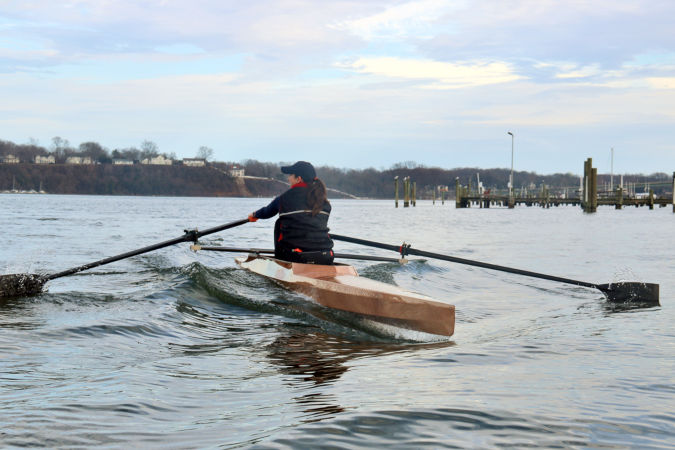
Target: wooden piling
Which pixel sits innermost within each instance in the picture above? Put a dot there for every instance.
(674, 192)
(619, 198)
(589, 200)
(396, 190)
(414, 193)
(458, 194)
(651, 198)
(406, 192)
(594, 189)
(585, 185)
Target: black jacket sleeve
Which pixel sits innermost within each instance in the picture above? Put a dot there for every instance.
(268, 211)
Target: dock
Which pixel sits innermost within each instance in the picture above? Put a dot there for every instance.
(587, 196)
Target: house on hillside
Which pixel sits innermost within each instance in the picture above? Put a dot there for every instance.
(122, 162)
(78, 160)
(158, 161)
(194, 162)
(10, 159)
(236, 172)
(40, 159)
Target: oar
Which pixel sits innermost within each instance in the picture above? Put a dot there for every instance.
(624, 291)
(259, 251)
(19, 284)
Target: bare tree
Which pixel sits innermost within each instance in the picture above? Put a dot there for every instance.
(205, 152)
(60, 147)
(149, 149)
(95, 151)
(59, 143)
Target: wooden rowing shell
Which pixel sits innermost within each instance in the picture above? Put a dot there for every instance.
(340, 287)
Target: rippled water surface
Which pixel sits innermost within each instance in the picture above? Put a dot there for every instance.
(183, 349)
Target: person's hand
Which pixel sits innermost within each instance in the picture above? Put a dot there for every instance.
(252, 218)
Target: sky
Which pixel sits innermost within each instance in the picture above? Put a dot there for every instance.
(348, 83)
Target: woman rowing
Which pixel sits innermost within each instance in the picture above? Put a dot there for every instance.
(301, 231)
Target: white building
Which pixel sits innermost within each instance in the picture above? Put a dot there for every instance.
(78, 160)
(10, 159)
(194, 162)
(236, 172)
(122, 162)
(158, 161)
(39, 159)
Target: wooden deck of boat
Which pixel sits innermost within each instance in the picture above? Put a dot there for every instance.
(340, 287)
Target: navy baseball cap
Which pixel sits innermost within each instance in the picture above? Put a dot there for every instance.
(301, 169)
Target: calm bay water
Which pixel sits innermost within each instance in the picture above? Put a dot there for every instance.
(185, 350)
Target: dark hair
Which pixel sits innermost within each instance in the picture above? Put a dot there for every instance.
(316, 197)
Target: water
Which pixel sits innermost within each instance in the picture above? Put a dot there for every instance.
(184, 350)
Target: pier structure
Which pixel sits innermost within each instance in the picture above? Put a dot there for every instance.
(588, 197)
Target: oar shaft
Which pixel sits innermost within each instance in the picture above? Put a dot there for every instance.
(221, 227)
(232, 249)
(413, 251)
(367, 258)
(119, 257)
(188, 236)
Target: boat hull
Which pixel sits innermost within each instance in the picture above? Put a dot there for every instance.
(340, 287)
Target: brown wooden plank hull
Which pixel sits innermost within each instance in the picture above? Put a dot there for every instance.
(340, 287)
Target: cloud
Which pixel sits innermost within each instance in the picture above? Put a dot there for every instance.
(268, 27)
(662, 82)
(435, 74)
(580, 72)
(412, 19)
(602, 32)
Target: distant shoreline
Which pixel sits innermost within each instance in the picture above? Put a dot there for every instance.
(259, 180)
(137, 180)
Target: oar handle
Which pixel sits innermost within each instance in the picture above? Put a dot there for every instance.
(190, 235)
(405, 249)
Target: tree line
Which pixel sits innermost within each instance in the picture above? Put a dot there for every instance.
(61, 149)
(374, 183)
(138, 179)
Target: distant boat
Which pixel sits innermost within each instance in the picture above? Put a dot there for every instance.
(14, 190)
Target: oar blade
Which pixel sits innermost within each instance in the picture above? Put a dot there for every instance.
(20, 284)
(631, 292)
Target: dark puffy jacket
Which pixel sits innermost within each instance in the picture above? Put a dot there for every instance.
(296, 227)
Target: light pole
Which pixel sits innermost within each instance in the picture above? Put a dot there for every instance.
(511, 203)
(611, 179)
